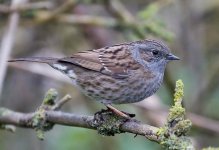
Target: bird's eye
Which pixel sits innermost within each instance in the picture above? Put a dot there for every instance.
(155, 52)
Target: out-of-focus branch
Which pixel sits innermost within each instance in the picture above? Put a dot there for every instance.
(25, 7)
(8, 41)
(64, 7)
(84, 20)
(207, 89)
(123, 18)
(123, 15)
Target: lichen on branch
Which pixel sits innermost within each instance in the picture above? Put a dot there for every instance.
(173, 134)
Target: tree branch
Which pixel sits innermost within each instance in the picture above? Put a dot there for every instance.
(107, 123)
(83, 121)
(4, 9)
(8, 41)
(47, 114)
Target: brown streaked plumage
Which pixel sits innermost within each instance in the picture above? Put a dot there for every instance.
(118, 74)
(114, 61)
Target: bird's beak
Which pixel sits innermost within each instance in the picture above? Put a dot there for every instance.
(172, 57)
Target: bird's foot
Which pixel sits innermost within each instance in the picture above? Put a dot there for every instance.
(119, 113)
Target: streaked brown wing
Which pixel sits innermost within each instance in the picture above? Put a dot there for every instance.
(115, 61)
(87, 59)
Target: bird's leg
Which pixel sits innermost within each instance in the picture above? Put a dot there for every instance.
(117, 112)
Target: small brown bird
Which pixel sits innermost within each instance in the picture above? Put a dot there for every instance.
(119, 74)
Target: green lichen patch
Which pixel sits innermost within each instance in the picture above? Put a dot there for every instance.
(177, 143)
(50, 97)
(40, 124)
(172, 135)
(176, 113)
(179, 93)
(182, 127)
(173, 141)
(161, 131)
(107, 123)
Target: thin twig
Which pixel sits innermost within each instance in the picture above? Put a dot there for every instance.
(64, 7)
(88, 20)
(61, 102)
(25, 7)
(8, 41)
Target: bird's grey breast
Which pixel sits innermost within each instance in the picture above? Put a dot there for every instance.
(143, 86)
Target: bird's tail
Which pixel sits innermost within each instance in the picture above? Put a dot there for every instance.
(47, 60)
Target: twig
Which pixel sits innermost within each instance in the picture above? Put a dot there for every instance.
(61, 102)
(42, 18)
(88, 20)
(25, 7)
(8, 41)
(207, 89)
(124, 16)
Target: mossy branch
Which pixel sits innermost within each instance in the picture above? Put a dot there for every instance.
(172, 136)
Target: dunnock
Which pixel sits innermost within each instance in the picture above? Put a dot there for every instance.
(119, 74)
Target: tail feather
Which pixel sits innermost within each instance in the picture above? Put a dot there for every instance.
(35, 59)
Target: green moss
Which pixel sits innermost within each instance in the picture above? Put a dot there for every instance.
(107, 123)
(172, 141)
(39, 122)
(176, 112)
(161, 131)
(182, 127)
(176, 143)
(110, 127)
(50, 97)
(40, 134)
(178, 95)
(172, 135)
(38, 118)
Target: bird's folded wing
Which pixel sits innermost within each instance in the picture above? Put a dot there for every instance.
(115, 61)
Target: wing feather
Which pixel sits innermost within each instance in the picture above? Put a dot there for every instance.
(115, 61)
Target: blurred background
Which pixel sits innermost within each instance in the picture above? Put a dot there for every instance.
(62, 27)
